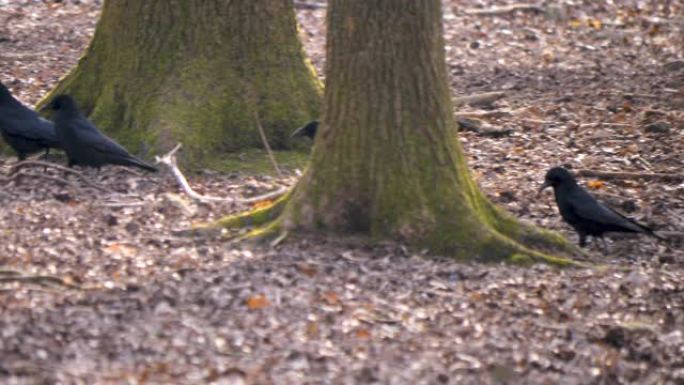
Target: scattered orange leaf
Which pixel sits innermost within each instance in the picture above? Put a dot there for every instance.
(121, 249)
(363, 333)
(595, 23)
(258, 301)
(307, 269)
(331, 298)
(575, 23)
(595, 184)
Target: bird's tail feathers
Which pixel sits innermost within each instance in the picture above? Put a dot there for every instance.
(140, 164)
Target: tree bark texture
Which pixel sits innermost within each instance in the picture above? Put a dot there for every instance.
(159, 72)
(386, 161)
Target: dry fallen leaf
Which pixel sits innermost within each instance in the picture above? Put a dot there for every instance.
(258, 301)
(362, 333)
(331, 298)
(595, 184)
(120, 249)
(307, 269)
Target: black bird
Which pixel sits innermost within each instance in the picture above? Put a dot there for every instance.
(83, 143)
(584, 213)
(308, 129)
(23, 129)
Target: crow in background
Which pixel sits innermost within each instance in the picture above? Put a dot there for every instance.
(23, 129)
(584, 213)
(83, 143)
(308, 129)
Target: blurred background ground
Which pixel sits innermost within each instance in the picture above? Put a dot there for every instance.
(591, 85)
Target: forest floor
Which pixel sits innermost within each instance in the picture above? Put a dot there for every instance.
(96, 287)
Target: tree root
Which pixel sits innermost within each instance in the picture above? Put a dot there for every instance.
(519, 246)
(255, 217)
(261, 219)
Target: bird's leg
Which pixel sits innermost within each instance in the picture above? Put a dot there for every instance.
(47, 152)
(605, 245)
(582, 239)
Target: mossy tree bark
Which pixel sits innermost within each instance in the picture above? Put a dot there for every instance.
(387, 162)
(162, 71)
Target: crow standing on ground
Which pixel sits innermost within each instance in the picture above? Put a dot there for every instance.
(83, 143)
(308, 129)
(584, 213)
(23, 129)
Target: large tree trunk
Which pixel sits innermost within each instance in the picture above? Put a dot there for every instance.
(194, 71)
(387, 162)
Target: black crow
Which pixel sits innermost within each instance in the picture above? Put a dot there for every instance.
(83, 143)
(23, 129)
(308, 129)
(584, 213)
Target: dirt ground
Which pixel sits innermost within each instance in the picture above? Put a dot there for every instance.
(590, 85)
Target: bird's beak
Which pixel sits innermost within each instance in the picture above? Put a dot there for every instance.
(545, 185)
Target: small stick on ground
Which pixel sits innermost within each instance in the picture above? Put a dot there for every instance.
(169, 160)
(496, 11)
(38, 163)
(42, 280)
(630, 175)
(679, 235)
(482, 129)
(484, 114)
(266, 145)
(606, 124)
(479, 99)
(53, 178)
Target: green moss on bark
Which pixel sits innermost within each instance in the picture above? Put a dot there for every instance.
(386, 163)
(196, 72)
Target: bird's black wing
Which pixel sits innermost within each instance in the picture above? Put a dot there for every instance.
(110, 150)
(588, 208)
(90, 136)
(21, 122)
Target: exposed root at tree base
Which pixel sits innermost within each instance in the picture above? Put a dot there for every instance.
(267, 225)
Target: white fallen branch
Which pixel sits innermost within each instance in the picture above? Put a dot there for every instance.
(169, 160)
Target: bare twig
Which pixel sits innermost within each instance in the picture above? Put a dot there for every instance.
(53, 178)
(37, 163)
(42, 280)
(484, 114)
(266, 145)
(479, 99)
(495, 11)
(169, 160)
(630, 175)
(596, 124)
(679, 235)
(482, 129)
